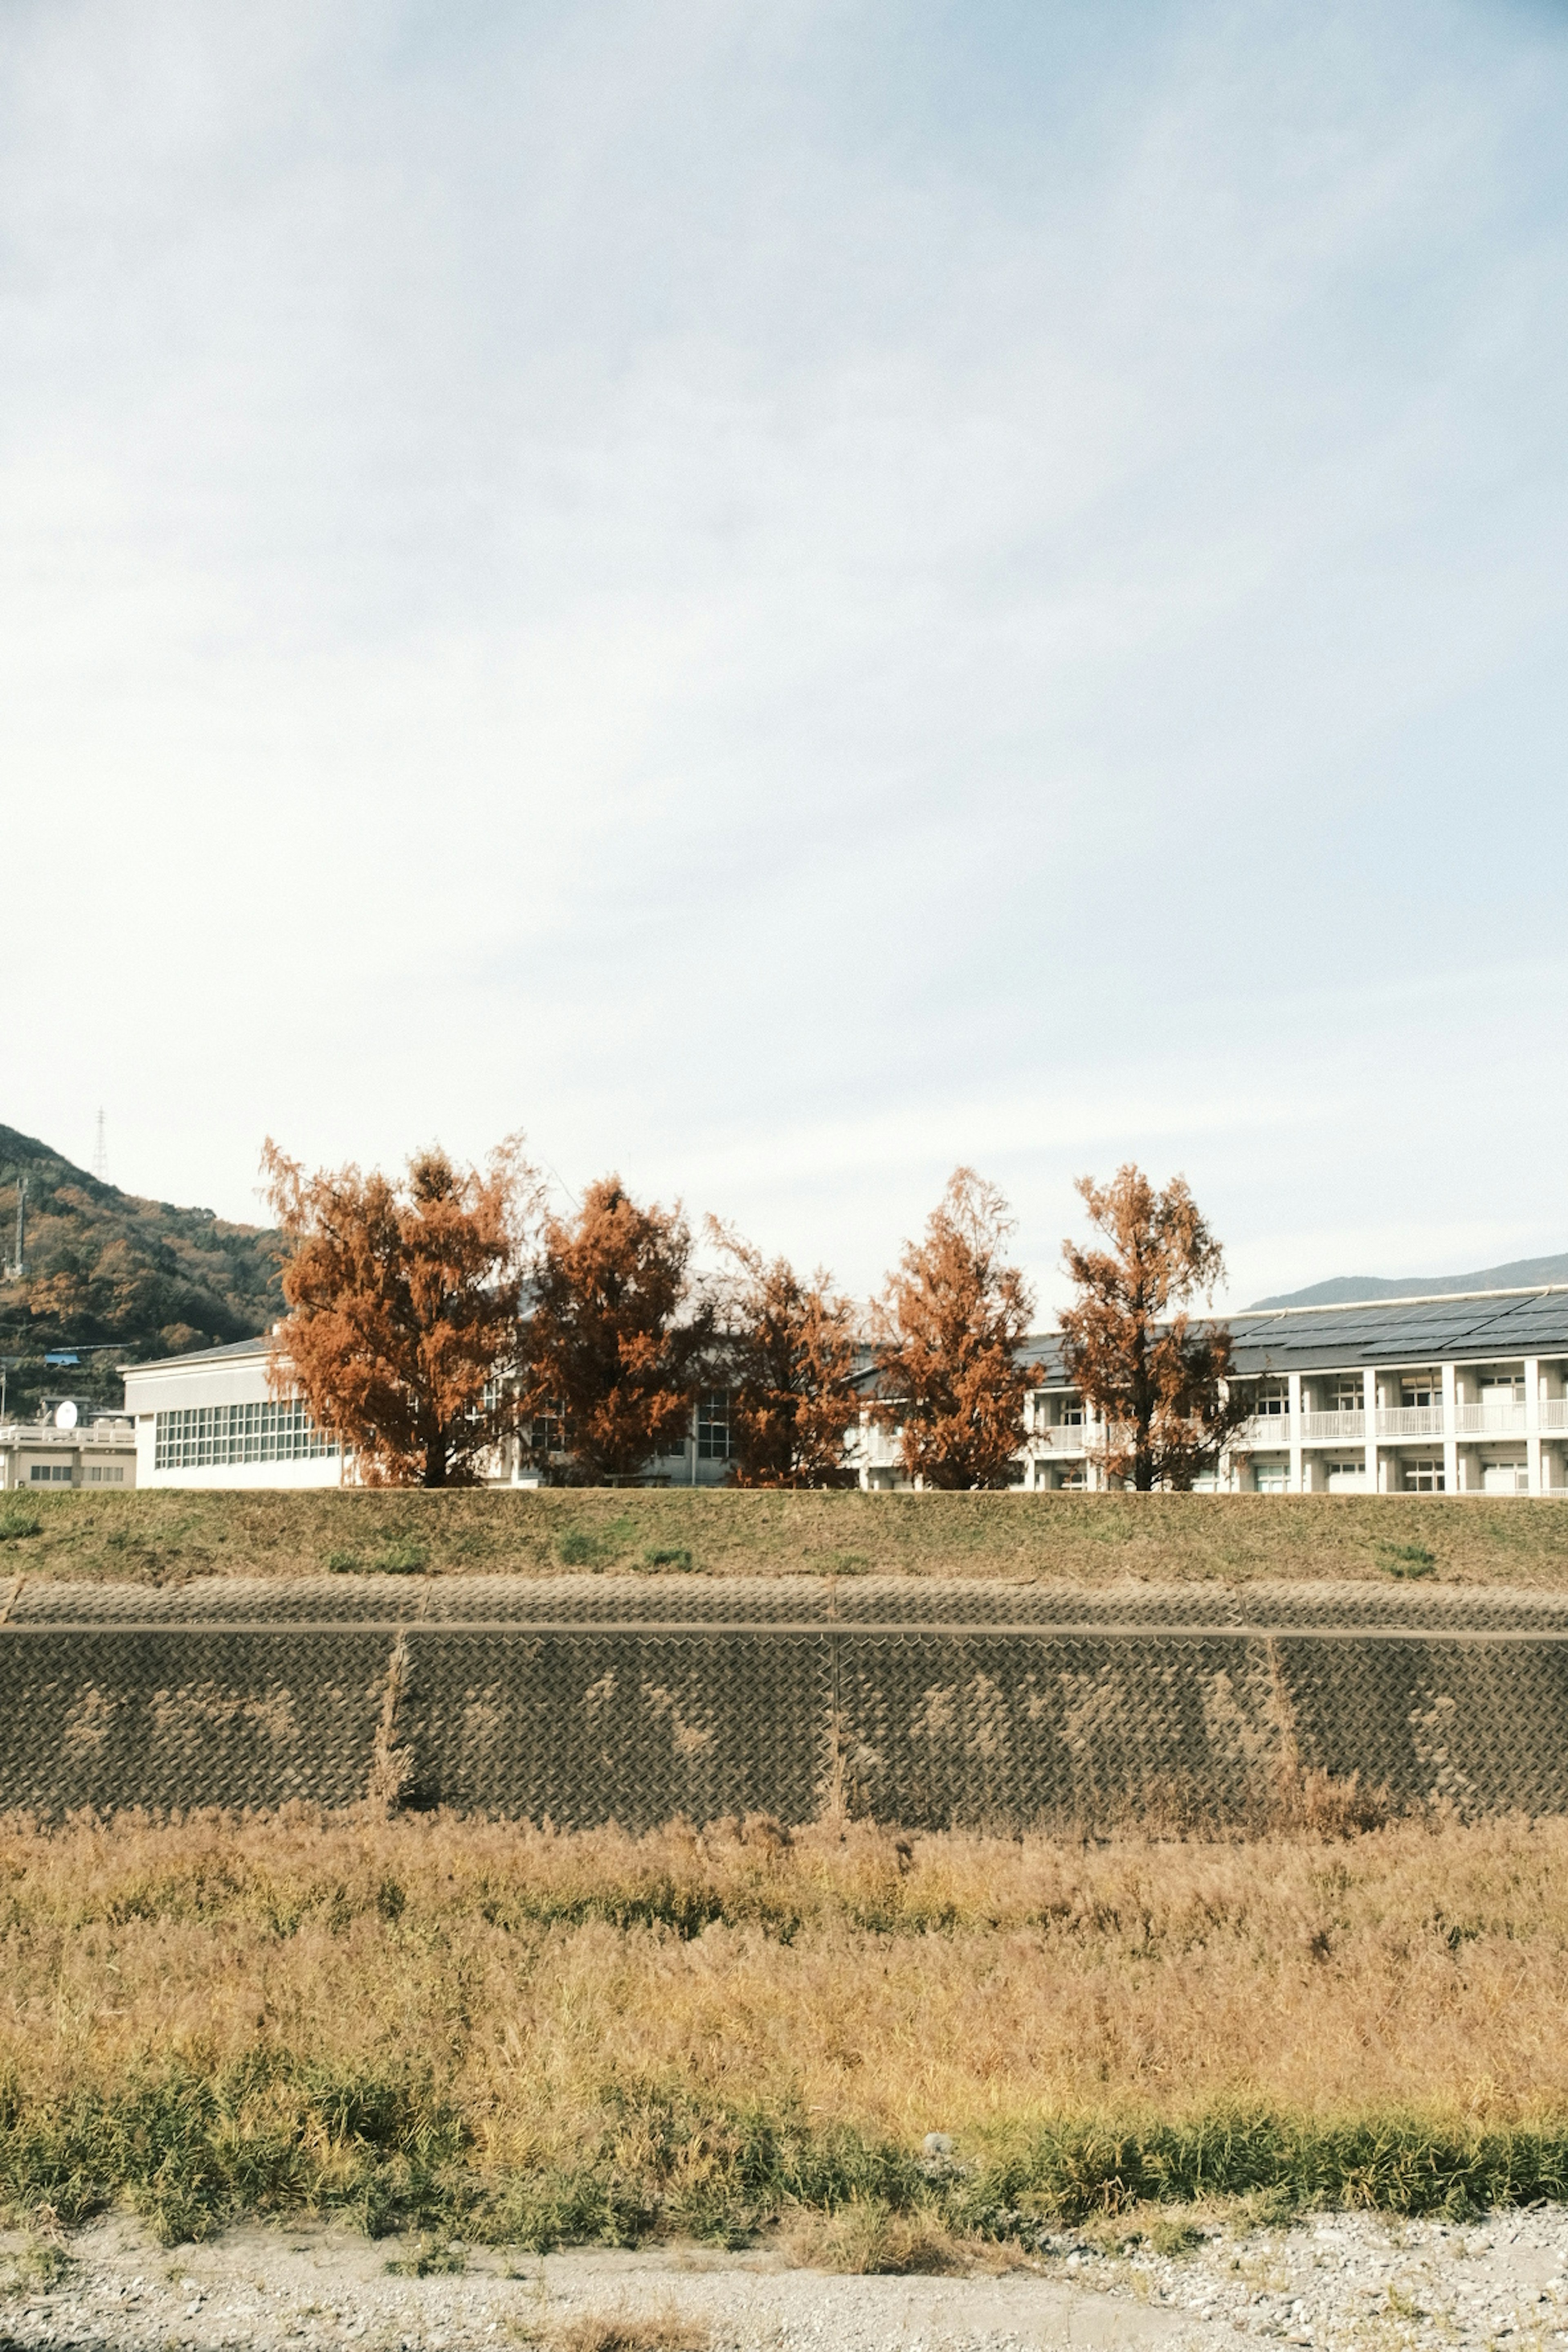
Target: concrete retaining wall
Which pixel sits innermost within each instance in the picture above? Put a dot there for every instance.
(928, 1703)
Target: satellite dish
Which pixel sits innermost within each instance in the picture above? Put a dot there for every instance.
(65, 1415)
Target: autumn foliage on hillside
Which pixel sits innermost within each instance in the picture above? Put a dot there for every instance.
(947, 1330)
(109, 1271)
(406, 1305)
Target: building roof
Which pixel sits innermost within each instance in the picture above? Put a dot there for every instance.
(1479, 1326)
(233, 1352)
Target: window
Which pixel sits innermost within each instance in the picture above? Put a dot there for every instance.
(1272, 1477)
(1424, 1476)
(221, 1436)
(1505, 1478)
(548, 1433)
(50, 1473)
(1271, 1402)
(100, 1477)
(1345, 1396)
(1421, 1389)
(1345, 1477)
(713, 1425)
(1055, 1410)
(1504, 1386)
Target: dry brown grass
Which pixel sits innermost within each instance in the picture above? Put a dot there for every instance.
(1094, 1539)
(864, 2237)
(622, 2331)
(898, 1987)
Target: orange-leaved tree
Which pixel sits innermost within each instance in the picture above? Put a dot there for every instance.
(1129, 1346)
(947, 1329)
(618, 1342)
(792, 1354)
(406, 1303)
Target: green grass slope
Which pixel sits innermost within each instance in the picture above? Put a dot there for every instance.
(162, 1535)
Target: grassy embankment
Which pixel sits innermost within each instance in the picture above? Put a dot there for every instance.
(1092, 1540)
(527, 2038)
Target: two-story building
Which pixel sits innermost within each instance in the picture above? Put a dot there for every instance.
(74, 1447)
(1460, 1393)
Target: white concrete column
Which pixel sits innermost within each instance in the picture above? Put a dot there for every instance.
(1293, 1381)
(1532, 1423)
(1369, 1407)
(1451, 1431)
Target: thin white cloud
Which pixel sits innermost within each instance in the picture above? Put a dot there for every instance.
(788, 601)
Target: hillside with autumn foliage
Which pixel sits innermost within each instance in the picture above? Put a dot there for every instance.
(126, 1278)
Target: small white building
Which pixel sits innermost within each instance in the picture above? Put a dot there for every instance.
(46, 1455)
(209, 1419)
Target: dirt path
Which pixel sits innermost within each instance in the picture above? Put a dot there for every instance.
(1342, 2281)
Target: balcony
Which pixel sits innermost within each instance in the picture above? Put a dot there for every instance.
(1411, 1420)
(1266, 1433)
(1553, 1412)
(1062, 1437)
(1334, 1428)
(1489, 1419)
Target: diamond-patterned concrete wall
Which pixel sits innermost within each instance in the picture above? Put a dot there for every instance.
(928, 1703)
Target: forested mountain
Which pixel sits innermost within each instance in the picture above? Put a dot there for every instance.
(102, 1266)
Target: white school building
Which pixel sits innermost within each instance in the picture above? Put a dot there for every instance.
(210, 1419)
(1461, 1393)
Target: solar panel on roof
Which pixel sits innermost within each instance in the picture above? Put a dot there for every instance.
(1395, 1333)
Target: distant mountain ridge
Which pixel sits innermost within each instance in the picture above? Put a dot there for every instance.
(1520, 1274)
(125, 1278)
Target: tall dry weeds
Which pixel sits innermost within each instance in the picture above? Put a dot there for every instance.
(706, 2014)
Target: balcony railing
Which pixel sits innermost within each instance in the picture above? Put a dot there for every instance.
(1553, 1411)
(120, 1433)
(1334, 1428)
(1410, 1421)
(1063, 1436)
(1265, 1431)
(1483, 1419)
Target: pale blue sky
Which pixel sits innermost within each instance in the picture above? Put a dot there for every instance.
(787, 597)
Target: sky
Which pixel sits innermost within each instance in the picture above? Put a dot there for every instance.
(786, 598)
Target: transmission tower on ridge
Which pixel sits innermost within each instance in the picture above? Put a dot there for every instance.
(101, 1152)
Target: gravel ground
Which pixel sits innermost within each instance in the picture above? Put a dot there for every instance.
(1341, 2280)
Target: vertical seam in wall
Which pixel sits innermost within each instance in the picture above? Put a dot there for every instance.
(391, 1772)
(1283, 1713)
(838, 1798)
(389, 1775)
